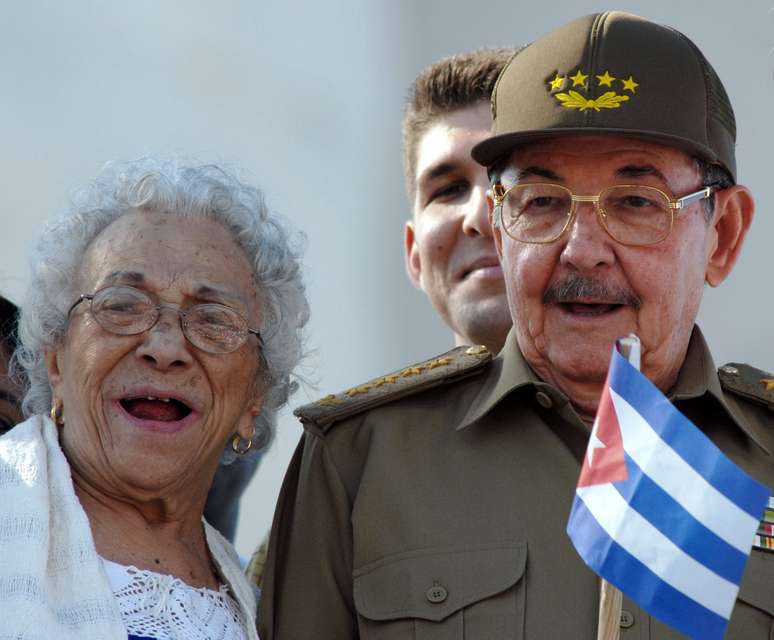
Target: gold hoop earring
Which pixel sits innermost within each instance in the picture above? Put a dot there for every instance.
(57, 414)
(239, 448)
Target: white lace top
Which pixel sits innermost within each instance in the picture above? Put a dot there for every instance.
(163, 607)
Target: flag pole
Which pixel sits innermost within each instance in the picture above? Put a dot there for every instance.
(610, 598)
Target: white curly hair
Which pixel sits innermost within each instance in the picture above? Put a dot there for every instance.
(187, 190)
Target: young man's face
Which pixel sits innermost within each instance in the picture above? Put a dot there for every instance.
(450, 251)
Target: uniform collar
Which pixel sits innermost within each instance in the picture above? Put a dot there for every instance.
(698, 376)
(509, 371)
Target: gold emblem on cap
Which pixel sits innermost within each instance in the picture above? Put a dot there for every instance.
(557, 82)
(630, 85)
(606, 80)
(573, 99)
(579, 80)
(768, 383)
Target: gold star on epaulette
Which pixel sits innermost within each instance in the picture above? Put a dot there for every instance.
(578, 80)
(606, 80)
(630, 85)
(329, 401)
(768, 384)
(438, 362)
(380, 382)
(358, 391)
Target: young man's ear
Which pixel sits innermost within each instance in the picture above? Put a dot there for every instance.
(411, 255)
(733, 215)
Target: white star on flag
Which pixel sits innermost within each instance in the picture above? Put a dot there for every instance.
(594, 443)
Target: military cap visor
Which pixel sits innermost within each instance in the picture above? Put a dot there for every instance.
(612, 74)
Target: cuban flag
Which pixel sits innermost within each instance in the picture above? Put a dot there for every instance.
(659, 511)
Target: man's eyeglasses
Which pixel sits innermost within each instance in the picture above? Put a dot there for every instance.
(636, 215)
(126, 311)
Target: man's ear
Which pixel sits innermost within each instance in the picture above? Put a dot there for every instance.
(413, 260)
(496, 231)
(734, 209)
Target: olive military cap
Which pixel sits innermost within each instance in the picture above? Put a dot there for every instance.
(618, 74)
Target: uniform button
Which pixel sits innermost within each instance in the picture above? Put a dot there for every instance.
(477, 350)
(436, 594)
(544, 400)
(627, 619)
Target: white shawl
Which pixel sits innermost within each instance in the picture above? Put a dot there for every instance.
(52, 582)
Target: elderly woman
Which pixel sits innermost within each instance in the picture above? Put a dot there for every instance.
(161, 327)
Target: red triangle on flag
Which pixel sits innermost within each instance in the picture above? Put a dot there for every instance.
(604, 461)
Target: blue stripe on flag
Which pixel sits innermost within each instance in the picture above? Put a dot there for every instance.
(686, 440)
(609, 560)
(677, 524)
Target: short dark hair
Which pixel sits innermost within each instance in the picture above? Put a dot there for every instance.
(712, 175)
(452, 83)
(9, 317)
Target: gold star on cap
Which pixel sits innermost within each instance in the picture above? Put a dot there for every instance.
(630, 84)
(557, 82)
(768, 383)
(578, 80)
(606, 80)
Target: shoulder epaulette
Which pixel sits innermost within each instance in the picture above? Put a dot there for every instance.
(746, 381)
(453, 365)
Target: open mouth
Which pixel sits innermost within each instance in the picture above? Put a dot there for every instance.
(590, 309)
(156, 409)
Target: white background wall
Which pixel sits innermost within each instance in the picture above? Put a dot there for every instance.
(307, 97)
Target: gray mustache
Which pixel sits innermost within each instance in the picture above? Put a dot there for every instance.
(576, 287)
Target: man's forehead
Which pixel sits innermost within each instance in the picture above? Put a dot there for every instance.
(614, 151)
(449, 138)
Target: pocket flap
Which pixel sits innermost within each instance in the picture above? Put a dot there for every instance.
(756, 588)
(431, 584)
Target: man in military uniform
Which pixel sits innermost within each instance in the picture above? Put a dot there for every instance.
(450, 253)
(449, 249)
(432, 503)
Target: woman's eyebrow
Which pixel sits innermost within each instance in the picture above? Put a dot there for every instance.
(206, 291)
(129, 277)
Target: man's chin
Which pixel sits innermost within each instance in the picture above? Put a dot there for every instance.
(578, 365)
(486, 316)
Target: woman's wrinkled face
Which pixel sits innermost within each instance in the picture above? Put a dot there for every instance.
(149, 414)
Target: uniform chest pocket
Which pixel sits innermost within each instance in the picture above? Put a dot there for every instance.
(444, 594)
(753, 615)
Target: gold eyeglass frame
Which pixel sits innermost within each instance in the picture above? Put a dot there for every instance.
(499, 194)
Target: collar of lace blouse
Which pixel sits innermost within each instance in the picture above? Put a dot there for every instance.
(160, 606)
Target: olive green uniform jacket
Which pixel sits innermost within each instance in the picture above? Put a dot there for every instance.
(435, 508)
